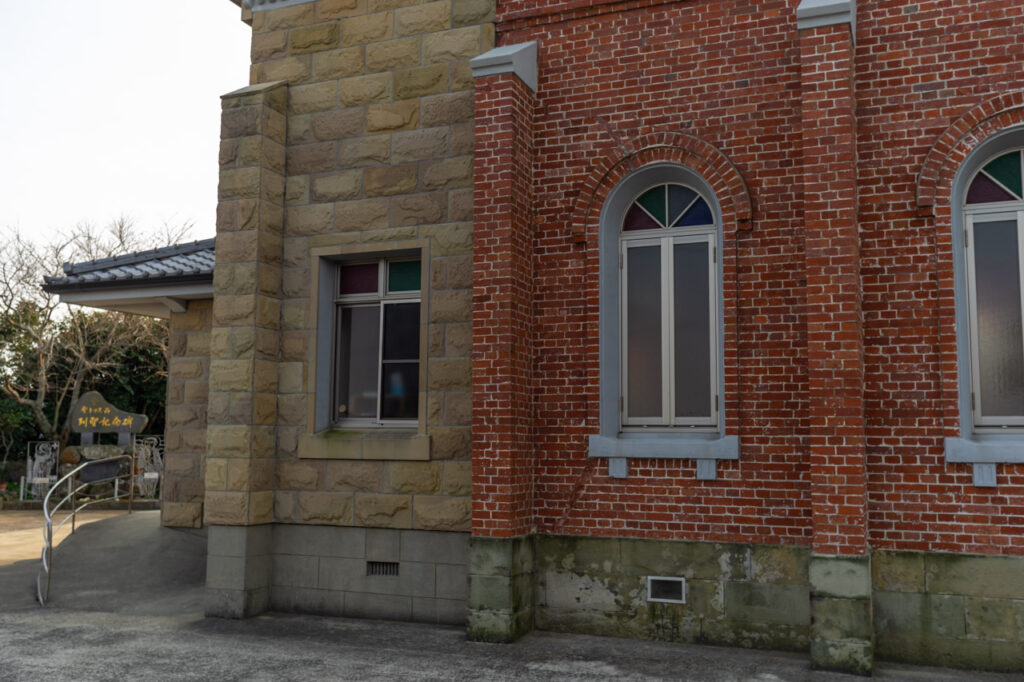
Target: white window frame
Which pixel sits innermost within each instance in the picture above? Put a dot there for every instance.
(381, 298)
(987, 213)
(665, 238)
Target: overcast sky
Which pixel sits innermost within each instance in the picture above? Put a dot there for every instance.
(112, 107)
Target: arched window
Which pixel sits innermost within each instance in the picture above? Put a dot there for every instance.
(668, 308)
(661, 322)
(993, 211)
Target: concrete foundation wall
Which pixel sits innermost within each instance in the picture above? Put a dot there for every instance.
(744, 595)
(926, 608)
(950, 610)
(325, 570)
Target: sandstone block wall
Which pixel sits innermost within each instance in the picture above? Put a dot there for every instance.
(379, 155)
(187, 392)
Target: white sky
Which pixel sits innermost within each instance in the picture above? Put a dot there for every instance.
(112, 107)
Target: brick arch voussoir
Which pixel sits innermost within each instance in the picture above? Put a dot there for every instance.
(954, 145)
(614, 163)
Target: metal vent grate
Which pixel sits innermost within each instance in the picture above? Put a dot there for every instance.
(381, 568)
(668, 590)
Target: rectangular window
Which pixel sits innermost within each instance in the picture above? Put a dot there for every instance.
(376, 363)
(669, 332)
(995, 273)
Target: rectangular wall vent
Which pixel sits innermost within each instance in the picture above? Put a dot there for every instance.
(381, 568)
(667, 590)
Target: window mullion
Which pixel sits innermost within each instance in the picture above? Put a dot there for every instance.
(380, 361)
(713, 326)
(1020, 261)
(667, 334)
(623, 333)
(972, 296)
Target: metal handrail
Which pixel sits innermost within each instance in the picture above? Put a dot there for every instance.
(43, 577)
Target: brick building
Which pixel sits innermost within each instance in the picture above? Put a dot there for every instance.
(697, 321)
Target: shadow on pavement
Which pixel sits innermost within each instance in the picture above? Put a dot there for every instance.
(125, 564)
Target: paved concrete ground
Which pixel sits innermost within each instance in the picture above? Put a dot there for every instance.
(22, 532)
(126, 604)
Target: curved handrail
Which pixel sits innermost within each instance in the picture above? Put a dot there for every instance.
(48, 530)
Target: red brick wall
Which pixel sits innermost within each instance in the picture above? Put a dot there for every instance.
(920, 67)
(502, 292)
(728, 73)
(835, 349)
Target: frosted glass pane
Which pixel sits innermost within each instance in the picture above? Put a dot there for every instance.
(643, 315)
(1000, 345)
(357, 362)
(692, 323)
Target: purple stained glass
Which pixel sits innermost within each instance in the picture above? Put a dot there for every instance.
(984, 191)
(358, 279)
(638, 219)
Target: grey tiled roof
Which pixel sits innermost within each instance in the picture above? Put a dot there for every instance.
(192, 261)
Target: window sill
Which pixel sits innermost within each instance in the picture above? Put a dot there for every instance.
(984, 451)
(993, 448)
(706, 448)
(375, 444)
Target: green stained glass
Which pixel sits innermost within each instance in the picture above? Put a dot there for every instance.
(654, 201)
(404, 275)
(1006, 169)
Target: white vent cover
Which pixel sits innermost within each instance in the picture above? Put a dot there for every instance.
(666, 590)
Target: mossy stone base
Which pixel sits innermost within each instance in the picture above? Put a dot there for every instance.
(501, 589)
(841, 622)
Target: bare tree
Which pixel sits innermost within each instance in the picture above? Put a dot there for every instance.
(48, 349)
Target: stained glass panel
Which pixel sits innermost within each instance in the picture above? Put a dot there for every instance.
(1006, 169)
(358, 279)
(404, 275)
(679, 198)
(984, 191)
(700, 214)
(637, 219)
(654, 201)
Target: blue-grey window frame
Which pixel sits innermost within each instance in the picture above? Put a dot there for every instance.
(326, 348)
(618, 447)
(982, 449)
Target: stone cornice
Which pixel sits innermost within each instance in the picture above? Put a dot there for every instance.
(520, 59)
(812, 13)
